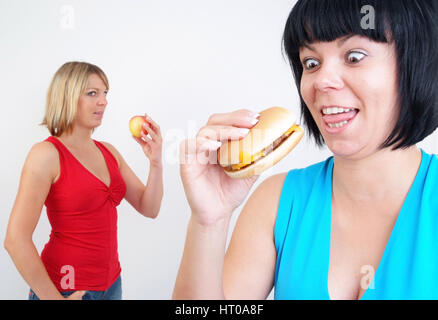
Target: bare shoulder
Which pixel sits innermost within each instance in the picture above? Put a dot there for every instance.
(265, 198)
(274, 183)
(43, 159)
(270, 189)
(43, 152)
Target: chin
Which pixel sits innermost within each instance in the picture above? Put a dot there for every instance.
(93, 126)
(345, 149)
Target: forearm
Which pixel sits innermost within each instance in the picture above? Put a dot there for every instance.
(153, 193)
(201, 271)
(30, 266)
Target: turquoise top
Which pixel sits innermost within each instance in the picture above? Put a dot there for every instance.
(409, 265)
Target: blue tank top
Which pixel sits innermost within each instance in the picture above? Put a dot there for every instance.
(409, 265)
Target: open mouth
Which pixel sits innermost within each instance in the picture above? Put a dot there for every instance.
(337, 118)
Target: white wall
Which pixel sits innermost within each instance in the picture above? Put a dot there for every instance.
(179, 61)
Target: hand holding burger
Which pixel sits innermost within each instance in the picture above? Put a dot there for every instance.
(211, 190)
(212, 194)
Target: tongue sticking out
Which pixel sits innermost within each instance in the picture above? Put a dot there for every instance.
(335, 118)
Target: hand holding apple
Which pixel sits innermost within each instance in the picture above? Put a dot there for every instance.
(141, 127)
(136, 125)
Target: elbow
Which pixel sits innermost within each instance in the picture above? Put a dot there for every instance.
(8, 244)
(151, 214)
(14, 242)
(150, 211)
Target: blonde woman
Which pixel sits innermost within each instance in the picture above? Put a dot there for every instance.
(81, 182)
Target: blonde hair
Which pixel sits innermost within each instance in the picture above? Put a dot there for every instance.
(68, 84)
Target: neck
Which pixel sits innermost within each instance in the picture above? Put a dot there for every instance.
(376, 178)
(77, 137)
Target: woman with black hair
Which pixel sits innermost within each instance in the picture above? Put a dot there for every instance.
(364, 223)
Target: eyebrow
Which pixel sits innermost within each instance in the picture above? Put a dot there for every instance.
(97, 89)
(340, 42)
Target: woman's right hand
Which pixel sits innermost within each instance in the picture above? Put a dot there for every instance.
(77, 295)
(211, 193)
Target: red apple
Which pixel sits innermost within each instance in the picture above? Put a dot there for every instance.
(136, 126)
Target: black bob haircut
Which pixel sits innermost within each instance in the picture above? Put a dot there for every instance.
(413, 27)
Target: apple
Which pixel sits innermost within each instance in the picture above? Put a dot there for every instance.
(136, 126)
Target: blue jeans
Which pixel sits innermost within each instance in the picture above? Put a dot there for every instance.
(113, 293)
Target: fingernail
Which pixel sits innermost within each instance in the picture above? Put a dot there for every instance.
(255, 115)
(253, 121)
(243, 131)
(215, 144)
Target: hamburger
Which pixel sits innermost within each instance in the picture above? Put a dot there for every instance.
(269, 141)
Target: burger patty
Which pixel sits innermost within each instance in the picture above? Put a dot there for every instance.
(271, 147)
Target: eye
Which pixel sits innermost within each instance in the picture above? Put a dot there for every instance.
(91, 93)
(310, 64)
(105, 92)
(355, 56)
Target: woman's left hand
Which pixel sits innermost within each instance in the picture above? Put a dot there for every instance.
(152, 146)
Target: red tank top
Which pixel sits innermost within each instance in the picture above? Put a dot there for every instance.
(83, 215)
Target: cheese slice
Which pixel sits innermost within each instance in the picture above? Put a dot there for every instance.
(246, 159)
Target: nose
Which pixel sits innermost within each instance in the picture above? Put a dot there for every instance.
(328, 77)
(102, 101)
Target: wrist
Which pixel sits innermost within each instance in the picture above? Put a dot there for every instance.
(210, 223)
(156, 164)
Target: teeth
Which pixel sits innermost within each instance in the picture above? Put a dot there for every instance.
(338, 124)
(335, 110)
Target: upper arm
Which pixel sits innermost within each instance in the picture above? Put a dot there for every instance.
(134, 186)
(249, 265)
(39, 171)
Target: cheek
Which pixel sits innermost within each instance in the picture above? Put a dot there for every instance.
(83, 107)
(381, 93)
(81, 103)
(306, 91)
(85, 103)
(378, 98)
(382, 80)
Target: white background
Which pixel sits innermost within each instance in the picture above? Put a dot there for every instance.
(179, 61)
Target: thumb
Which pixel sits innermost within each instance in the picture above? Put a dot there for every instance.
(139, 140)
